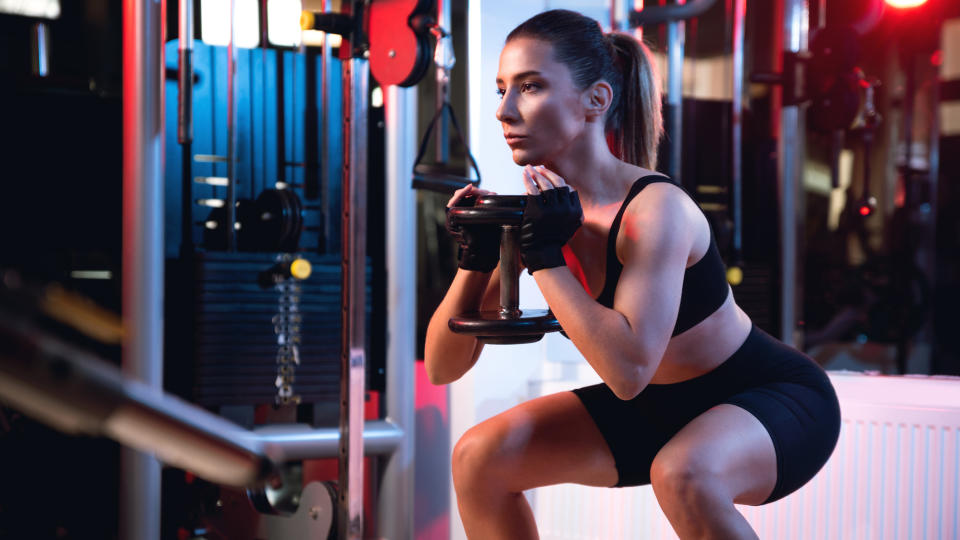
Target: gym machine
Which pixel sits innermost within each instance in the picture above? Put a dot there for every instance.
(398, 54)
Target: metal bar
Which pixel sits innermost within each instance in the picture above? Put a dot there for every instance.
(355, 91)
(442, 142)
(791, 151)
(672, 12)
(675, 51)
(143, 248)
(395, 509)
(185, 123)
(301, 441)
(739, 18)
(619, 16)
(509, 271)
(325, 132)
(231, 202)
(185, 73)
(929, 262)
(620, 11)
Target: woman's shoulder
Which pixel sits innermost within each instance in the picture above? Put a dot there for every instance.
(661, 208)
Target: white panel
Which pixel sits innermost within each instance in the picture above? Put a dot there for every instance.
(895, 474)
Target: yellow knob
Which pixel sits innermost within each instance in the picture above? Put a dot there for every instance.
(734, 275)
(300, 269)
(306, 20)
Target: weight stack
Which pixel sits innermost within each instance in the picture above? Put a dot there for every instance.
(234, 341)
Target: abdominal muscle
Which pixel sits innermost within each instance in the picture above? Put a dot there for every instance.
(697, 350)
(705, 346)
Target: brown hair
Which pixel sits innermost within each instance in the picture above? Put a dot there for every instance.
(634, 119)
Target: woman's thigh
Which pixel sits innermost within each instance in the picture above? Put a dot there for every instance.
(726, 448)
(548, 440)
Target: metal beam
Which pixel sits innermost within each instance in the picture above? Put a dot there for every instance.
(143, 211)
(356, 73)
(791, 154)
(300, 441)
(671, 12)
(737, 52)
(676, 45)
(396, 497)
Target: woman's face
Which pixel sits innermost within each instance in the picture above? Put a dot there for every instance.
(540, 108)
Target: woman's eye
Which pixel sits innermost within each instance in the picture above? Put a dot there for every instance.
(527, 87)
(501, 92)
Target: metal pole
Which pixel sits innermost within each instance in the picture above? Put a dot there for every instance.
(301, 441)
(355, 90)
(675, 50)
(185, 75)
(791, 152)
(231, 202)
(143, 210)
(396, 497)
(443, 90)
(328, 218)
(620, 16)
(185, 124)
(739, 17)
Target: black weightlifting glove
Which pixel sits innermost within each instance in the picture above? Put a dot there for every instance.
(549, 220)
(479, 244)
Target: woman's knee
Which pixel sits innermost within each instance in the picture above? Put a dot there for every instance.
(478, 455)
(686, 476)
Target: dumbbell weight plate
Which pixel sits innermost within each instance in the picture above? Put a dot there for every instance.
(495, 327)
(491, 210)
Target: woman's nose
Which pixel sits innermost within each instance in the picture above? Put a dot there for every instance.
(507, 111)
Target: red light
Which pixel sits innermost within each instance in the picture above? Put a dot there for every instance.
(905, 3)
(936, 59)
(864, 210)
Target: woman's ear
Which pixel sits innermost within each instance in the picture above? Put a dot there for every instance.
(598, 99)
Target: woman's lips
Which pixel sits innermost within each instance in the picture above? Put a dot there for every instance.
(514, 139)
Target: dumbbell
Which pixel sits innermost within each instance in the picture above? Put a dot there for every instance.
(509, 324)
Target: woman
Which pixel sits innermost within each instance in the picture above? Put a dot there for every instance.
(695, 400)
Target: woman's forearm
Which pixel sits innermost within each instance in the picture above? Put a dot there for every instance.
(616, 351)
(447, 355)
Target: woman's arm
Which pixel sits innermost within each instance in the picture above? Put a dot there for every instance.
(625, 344)
(447, 355)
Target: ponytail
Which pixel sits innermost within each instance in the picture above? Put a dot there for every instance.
(635, 121)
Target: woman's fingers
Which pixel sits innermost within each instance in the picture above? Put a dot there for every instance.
(528, 182)
(555, 179)
(468, 190)
(458, 194)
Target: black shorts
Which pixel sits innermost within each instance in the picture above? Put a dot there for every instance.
(787, 391)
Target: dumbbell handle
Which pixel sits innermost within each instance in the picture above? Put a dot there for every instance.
(509, 271)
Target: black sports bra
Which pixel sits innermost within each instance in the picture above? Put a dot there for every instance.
(704, 284)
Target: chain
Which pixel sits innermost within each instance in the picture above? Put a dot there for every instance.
(286, 325)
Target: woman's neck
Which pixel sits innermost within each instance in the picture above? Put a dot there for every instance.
(592, 170)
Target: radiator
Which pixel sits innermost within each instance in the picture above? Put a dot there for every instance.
(895, 474)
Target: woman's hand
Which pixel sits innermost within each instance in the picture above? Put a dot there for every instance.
(551, 216)
(479, 244)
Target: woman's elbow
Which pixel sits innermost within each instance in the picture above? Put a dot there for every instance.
(435, 377)
(440, 368)
(630, 383)
(626, 392)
